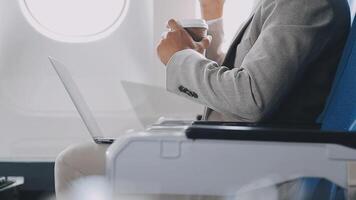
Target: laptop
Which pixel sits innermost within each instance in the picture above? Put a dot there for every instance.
(79, 103)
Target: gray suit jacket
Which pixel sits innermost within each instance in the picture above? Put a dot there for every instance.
(279, 68)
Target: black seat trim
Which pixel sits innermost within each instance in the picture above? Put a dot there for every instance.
(269, 134)
(270, 125)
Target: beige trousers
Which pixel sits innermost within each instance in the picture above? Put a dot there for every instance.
(88, 159)
(78, 161)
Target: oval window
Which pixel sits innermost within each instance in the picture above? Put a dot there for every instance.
(76, 18)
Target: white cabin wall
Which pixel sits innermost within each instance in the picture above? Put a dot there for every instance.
(37, 118)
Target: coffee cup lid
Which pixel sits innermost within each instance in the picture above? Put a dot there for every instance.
(194, 23)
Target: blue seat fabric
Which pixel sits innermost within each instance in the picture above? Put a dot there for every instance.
(339, 115)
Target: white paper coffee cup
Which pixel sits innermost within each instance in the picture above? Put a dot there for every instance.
(197, 28)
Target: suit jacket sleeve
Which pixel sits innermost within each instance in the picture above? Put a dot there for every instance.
(292, 35)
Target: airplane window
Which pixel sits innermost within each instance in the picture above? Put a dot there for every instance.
(81, 18)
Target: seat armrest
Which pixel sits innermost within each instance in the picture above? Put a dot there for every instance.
(268, 134)
(225, 158)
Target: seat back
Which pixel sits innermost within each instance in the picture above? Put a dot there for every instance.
(340, 111)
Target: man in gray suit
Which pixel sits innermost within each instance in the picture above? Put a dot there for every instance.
(279, 69)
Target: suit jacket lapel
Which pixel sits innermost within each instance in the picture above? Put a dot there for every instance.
(231, 53)
(244, 26)
(240, 32)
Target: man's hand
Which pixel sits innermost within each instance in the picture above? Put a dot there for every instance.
(212, 9)
(178, 39)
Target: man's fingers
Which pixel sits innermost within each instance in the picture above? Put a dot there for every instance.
(174, 25)
(206, 41)
(164, 35)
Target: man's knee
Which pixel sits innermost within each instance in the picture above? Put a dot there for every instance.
(87, 158)
(67, 158)
(78, 161)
